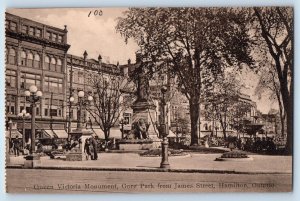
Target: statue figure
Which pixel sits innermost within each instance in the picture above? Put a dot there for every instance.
(142, 80)
(142, 85)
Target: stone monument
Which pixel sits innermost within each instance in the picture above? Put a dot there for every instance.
(144, 109)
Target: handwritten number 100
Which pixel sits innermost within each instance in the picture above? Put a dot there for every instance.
(95, 13)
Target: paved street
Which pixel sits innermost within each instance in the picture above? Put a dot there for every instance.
(77, 181)
(194, 161)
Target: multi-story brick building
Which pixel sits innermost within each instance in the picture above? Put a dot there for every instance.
(36, 55)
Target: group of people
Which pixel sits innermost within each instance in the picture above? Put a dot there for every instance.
(90, 148)
(17, 147)
(257, 144)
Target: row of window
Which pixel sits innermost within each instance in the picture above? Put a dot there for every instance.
(34, 31)
(52, 108)
(34, 60)
(51, 84)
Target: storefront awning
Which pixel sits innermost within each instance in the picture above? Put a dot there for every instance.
(14, 133)
(49, 133)
(171, 134)
(61, 133)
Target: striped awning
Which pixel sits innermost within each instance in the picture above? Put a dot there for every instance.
(171, 134)
(14, 133)
(61, 133)
(49, 133)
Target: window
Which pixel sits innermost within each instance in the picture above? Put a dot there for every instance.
(10, 104)
(13, 26)
(10, 78)
(53, 64)
(37, 61)
(59, 65)
(53, 107)
(38, 32)
(23, 58)
(53, 84)
(59, 38)
(54, 37)
(12, 56)
(48, 35)
(6, 24)
(30, 59)
(28, 80)
(24, 29)
(31, 31)
(80, 78)
(47, 63)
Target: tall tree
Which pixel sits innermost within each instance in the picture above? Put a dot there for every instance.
(275, 27)
(186, 41)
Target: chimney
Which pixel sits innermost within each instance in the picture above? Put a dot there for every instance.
(85, 54)
(99, 59)
(129, 61)
(65, 38)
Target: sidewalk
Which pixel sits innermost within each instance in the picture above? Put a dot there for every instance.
(194, 162)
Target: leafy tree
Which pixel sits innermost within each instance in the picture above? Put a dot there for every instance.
(274, 26)
(187, 41)
(223, 102)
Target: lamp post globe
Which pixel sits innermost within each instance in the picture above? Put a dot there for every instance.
(81, 94)
(33, 89)
(27, 93)
(72, 99)
(39, 94)
(90, 98)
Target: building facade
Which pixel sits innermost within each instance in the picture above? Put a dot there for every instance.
(36, 55)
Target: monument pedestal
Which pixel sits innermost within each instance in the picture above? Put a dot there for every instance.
(77, 153)
(146, 110)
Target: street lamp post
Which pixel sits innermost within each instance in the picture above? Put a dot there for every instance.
(23, 115)
(122, 127)
(81, 102)
(71, 100)
(33, 96)
(164, 129)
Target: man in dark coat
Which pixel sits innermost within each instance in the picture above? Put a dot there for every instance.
(16, 145)
(94, 144)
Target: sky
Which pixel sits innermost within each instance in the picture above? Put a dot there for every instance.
(97, 35)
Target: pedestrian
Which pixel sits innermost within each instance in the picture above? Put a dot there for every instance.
(87, 148)
(16, 146)
(91, 149)
(94, 144)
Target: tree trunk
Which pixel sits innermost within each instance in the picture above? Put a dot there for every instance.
(289, 124)
(223, 125)
(194, 115)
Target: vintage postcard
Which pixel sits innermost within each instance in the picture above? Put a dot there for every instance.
(141, 100)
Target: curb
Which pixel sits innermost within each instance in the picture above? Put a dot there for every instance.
(143, 170)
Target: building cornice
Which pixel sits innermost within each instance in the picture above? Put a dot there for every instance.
(37, 40)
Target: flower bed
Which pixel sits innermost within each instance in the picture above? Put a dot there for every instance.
(158, 152)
